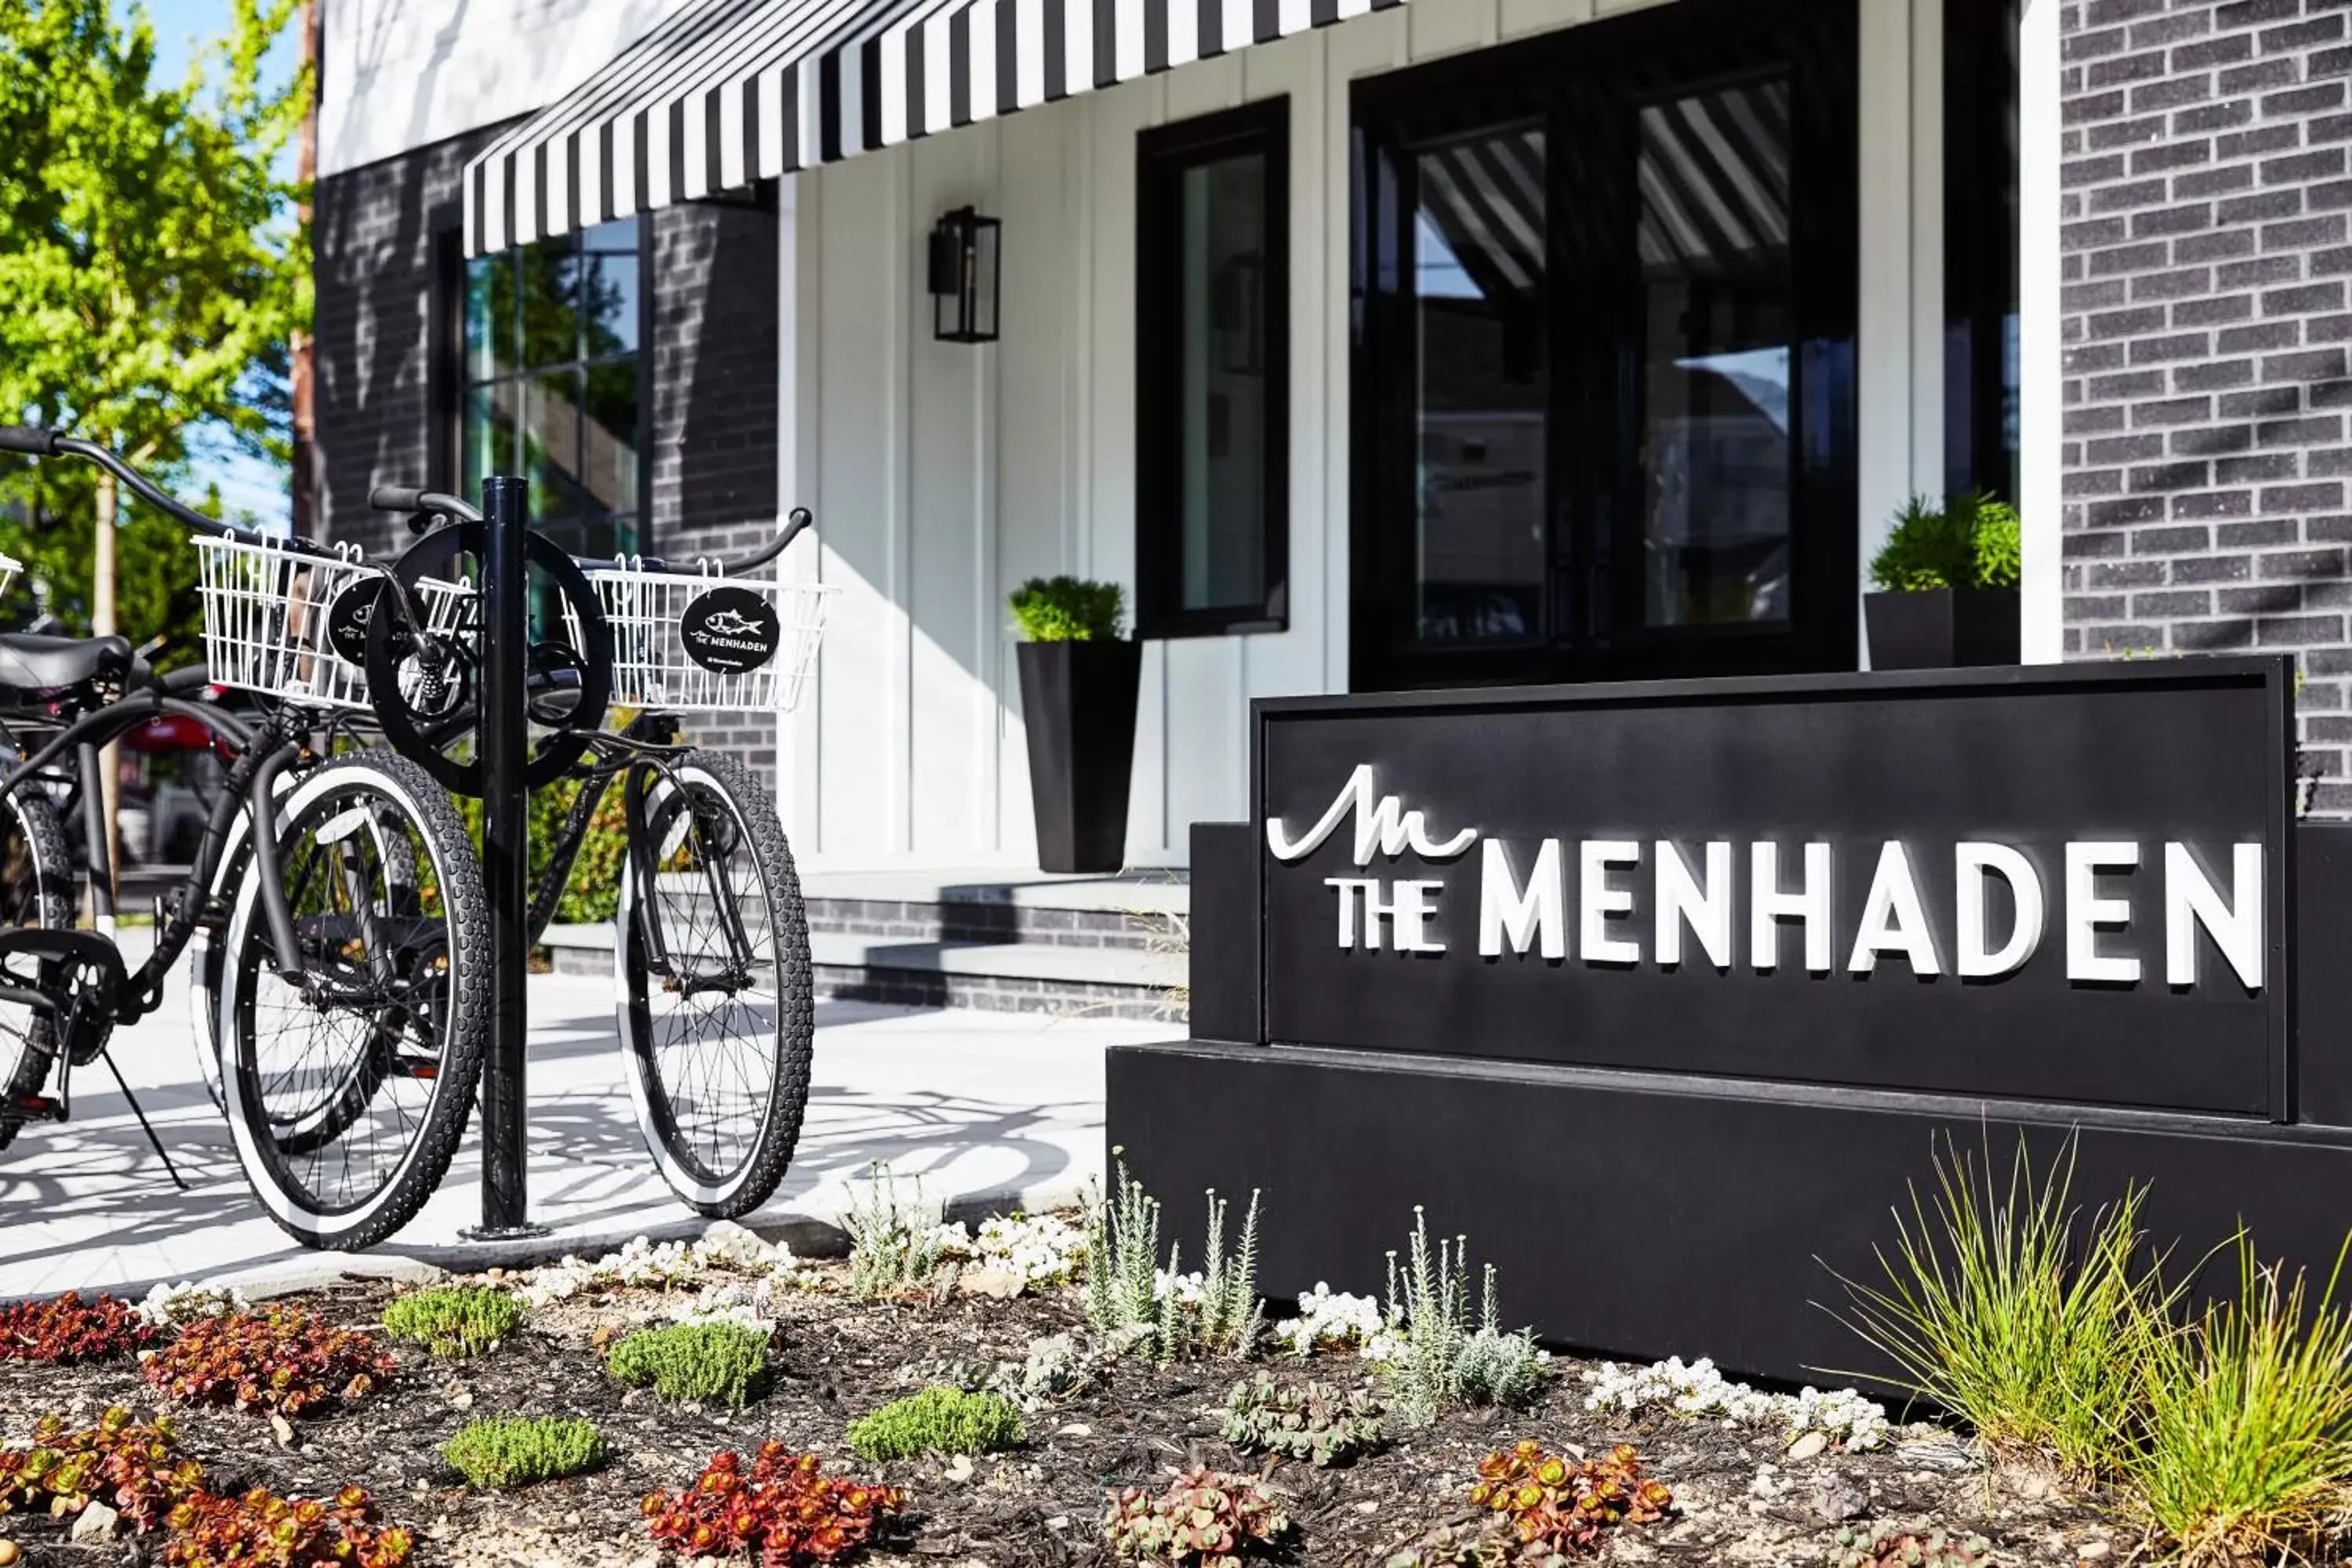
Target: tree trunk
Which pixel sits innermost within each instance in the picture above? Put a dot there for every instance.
(102, 624)
(305, 499)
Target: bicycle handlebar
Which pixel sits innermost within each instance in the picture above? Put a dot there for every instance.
(416, 499)
(35, 442)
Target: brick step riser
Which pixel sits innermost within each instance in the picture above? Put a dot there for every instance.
(984, 923)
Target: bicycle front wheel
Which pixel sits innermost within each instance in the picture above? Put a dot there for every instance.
(716, 1009)
(348, 1084)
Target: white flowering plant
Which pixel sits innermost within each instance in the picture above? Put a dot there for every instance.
(1332, 1320)
(1699, 1390)
(725, 1249)
(176, 1306)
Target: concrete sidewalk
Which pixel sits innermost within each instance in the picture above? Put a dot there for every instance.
(987, 1108)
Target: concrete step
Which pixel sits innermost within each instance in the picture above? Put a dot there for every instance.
(1104, 946)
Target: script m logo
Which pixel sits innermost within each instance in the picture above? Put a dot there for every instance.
(1384, 827)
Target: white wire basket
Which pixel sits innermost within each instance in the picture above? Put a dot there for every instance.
(269, 619)
(699, 642)
(9, 567)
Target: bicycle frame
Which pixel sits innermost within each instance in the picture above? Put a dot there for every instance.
(641, 751)
(262, 755)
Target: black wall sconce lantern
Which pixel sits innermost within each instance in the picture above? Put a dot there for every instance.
(964, 277)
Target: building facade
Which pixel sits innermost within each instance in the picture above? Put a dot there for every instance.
(1456, 342)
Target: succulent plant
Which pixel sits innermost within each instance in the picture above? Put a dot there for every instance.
(260, 1529)
(135, 1470)
(279, 1359)
(1310, 1421)
(1568, 1506)
(1884, 1546)
(1206, 1519)
(783, 1508)
(70, 1330)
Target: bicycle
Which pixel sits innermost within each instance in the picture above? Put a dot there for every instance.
(714, 987)
(364, 898)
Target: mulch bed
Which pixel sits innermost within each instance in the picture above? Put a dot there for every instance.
(1740, 1496)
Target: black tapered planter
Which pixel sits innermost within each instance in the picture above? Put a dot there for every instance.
(1078, 702)
(1941, 628)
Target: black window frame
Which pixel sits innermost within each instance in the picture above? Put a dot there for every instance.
(445, 372)
(1164, 154)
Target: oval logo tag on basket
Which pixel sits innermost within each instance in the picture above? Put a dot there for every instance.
(730, 629)
(347, 619)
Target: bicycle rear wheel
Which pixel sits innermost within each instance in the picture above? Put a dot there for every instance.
(347, 1093)
(36, 889)
(716, 999)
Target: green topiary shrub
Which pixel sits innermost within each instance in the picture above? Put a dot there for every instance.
(454, 1320)
(938, 1420)
(1972, 541)
(1069, 609)
(700, 1362)
(517, 1450)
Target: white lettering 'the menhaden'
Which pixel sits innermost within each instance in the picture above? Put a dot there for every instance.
(1530, 912)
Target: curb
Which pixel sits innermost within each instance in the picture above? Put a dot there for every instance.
(808, 1236)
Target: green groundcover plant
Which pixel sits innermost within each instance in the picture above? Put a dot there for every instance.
(938, 1420)
(502, 1451)
(454, 1320)
(704, 1362)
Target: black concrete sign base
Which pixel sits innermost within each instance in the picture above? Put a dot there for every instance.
(1643, 1215)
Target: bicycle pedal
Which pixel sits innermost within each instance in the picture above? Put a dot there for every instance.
(37, 1108)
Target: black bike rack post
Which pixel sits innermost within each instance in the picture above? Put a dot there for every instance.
(504, 739)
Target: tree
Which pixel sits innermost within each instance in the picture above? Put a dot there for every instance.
(152, 269)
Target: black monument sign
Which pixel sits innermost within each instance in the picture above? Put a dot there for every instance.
(2067, 888)
(1665, 993)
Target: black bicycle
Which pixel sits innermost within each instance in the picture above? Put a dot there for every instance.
(712, 976)
(361, 896)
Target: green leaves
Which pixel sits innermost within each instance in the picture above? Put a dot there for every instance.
(1069, 609)
(152, 269)
(938, 1420)
(1972, 541)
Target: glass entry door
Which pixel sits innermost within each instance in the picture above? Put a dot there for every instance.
(1604, 356)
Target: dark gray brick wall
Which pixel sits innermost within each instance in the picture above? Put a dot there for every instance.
(713, 366)
(2205, 266)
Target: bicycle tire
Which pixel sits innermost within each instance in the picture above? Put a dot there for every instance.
(208, 953)
(732, 1194)
(29, 825)
(458, 1038)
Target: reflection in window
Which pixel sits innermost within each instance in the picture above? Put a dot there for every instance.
(1213, 459)
(1478, 282)
(1719, 320)
(553, 386)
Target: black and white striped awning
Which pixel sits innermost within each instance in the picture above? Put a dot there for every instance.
(725, 92)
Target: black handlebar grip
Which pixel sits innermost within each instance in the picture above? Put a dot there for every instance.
(397, 497)
(801, 521)
(30, 439)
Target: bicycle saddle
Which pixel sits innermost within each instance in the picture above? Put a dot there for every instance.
(29, 662)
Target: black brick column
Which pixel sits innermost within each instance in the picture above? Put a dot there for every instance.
(2205, 264)
(711, 365)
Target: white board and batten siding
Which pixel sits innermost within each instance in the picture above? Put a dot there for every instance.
(944, 475)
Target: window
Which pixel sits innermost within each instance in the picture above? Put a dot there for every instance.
(1212, 344)
(551, 386)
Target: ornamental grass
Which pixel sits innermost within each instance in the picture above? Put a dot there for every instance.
(2019, 1313)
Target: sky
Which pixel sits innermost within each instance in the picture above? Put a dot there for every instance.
(183, 30)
